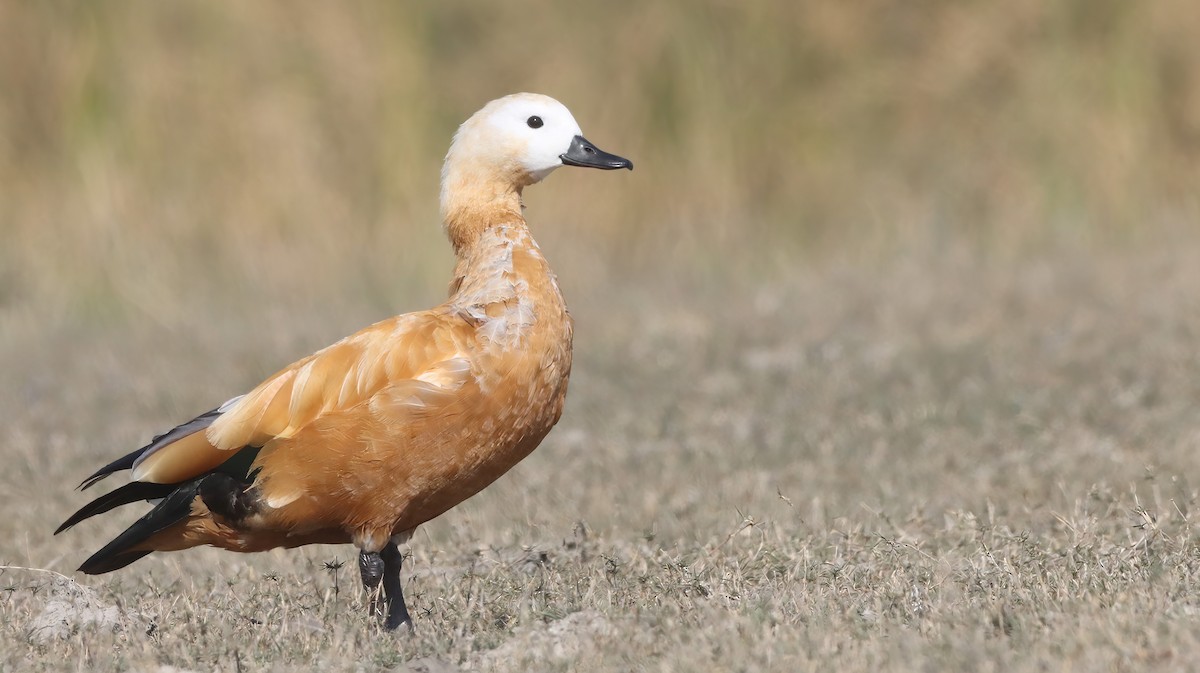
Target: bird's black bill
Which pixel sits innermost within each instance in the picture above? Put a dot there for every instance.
(583, 153)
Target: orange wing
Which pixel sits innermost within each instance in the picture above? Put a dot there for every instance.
(422, 354)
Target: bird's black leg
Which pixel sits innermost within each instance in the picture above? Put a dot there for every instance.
(397, 613)
(371, 567)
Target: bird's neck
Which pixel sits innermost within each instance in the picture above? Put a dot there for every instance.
(499, 263)
(504, 286)
(475, 200)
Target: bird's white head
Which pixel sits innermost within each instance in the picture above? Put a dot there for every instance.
(516, 141)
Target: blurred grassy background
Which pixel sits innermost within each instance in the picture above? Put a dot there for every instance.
(154, 151)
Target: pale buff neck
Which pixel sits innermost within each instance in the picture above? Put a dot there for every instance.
(474, 201)
(482, 214)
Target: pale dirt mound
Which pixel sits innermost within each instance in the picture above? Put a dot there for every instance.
(71, 607)
(566, 640)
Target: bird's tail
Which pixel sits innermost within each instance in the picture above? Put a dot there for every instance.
(122, 550)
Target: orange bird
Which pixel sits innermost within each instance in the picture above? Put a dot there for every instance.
(386, 429)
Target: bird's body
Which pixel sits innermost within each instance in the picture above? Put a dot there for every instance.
(366, 439)
(388, 428)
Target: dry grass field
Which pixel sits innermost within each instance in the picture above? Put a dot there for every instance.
(886, 354)
(931, 466)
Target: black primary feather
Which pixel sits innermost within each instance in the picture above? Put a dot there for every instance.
(131, 492)
(173, 435)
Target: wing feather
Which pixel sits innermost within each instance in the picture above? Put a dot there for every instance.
(416, 358)
(340, 377)
(179, 461)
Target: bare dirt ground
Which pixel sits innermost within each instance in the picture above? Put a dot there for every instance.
(946, 463)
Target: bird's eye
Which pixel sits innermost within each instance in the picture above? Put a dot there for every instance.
(535, 122)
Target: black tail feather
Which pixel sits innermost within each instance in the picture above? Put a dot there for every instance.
(131, 492)
(118, 553)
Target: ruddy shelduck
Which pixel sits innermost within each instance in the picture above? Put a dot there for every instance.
(369, 438)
